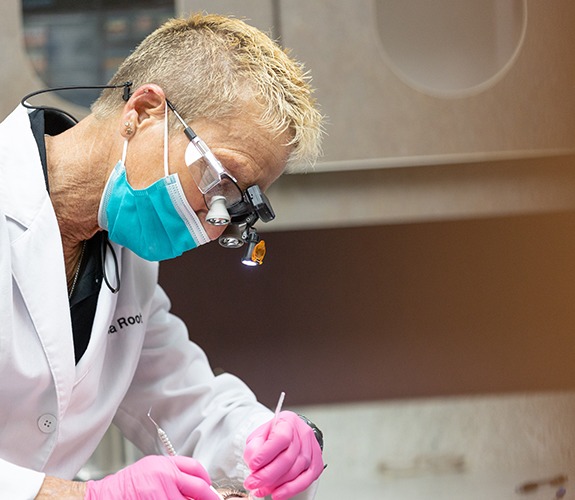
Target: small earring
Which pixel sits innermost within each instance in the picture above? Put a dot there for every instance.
(129, 129)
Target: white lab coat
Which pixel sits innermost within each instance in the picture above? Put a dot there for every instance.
(53, 412)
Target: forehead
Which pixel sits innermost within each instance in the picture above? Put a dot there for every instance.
(249, 152)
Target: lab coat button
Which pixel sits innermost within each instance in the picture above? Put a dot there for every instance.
(47, 423)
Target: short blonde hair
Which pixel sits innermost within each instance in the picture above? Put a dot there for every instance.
(211, 66)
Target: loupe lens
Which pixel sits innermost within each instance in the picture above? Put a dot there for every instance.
(218, 214)
(209, 175)
(231, 237)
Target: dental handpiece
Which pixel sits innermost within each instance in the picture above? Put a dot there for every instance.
(170, 450)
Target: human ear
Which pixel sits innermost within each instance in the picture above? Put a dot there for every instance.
(145, 105)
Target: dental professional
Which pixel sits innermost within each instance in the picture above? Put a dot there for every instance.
(206, 113)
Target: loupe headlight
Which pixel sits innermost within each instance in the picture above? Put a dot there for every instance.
(255, 249)
(255, 205)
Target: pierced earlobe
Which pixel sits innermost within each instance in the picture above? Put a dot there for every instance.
(129, 130)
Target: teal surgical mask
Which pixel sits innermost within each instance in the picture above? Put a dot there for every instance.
(157, 223)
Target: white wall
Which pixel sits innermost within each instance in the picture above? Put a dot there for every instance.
(460, 448)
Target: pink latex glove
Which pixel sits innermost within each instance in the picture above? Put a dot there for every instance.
(154, 477)
(284, 457)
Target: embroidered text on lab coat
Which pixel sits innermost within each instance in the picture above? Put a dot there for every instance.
(125, 322)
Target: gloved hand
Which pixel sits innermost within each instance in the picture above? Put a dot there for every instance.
(284, 458)
(153, 477)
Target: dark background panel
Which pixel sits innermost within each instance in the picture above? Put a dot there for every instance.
(399, 311)
(83, 43)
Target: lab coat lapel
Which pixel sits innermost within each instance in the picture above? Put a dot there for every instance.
(41, 255)
(36, 254)
(38, 270)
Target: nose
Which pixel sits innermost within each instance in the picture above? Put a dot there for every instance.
(214, 232)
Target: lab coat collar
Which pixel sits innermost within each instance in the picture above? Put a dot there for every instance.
(23, 189)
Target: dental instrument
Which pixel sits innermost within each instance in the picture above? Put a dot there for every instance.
(278, 409)
(170, 448)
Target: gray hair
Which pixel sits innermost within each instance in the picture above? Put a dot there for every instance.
(211, 66)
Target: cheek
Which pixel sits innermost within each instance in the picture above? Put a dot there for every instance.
(193, 194)
(214, 232)
(196, 201)
(198, 204)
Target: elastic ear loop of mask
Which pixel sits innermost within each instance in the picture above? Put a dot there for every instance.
(166, 168)
(124, 152)
(105, 244)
